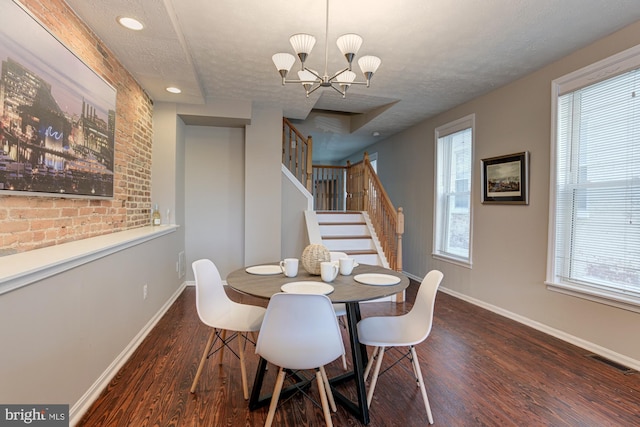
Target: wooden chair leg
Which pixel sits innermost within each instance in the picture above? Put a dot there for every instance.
(327, 387)
(416, 366)
(370, 363)
(243, 369)
(376, 372)
(274, 398)
(202, 360)
(323, 399)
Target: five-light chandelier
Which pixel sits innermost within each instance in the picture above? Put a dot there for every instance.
(311, 80)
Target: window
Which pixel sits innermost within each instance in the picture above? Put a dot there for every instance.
(454, 157)
(594, 245)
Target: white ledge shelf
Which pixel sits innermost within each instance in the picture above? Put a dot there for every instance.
(25, 268)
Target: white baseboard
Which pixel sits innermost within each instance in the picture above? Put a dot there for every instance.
(84, 403)
(587, 345)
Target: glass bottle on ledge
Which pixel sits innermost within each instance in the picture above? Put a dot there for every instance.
(155, 216)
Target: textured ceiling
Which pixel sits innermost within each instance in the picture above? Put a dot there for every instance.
(435, 54)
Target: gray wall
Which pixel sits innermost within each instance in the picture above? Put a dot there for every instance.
(62, 334)
(214, 192)
(509, 241)
(295, 201)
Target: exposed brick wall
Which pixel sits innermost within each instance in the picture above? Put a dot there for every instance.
(28, 223)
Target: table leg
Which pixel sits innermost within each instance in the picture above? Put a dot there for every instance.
(255, 401)
(360, 359)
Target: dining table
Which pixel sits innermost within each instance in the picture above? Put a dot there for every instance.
(365, 283)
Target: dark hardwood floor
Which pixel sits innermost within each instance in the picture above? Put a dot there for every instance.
(480, 370)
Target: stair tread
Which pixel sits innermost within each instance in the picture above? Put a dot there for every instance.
(339, 212)
(360, 252)
(342, 223)
(344, 237)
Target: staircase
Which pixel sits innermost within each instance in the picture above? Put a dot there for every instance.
(350, 232)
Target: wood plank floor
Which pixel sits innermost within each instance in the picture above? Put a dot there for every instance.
(480, 370)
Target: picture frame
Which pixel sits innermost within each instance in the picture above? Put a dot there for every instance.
(505, 179)
(57, 115)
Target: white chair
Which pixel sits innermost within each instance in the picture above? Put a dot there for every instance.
(299, 332)
(407, 330)
(218, 311)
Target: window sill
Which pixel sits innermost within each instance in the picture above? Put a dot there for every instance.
(629, 303)
(25, 268)
(456, 261)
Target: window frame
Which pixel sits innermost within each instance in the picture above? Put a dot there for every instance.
(602, 70)
(467, 122)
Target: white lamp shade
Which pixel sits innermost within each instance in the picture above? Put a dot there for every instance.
(346, 78)
(306, 76)
(369, 64)
(283, 61)
(349, 43)
(302, 43)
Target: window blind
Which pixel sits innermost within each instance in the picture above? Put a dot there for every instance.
(597, 187)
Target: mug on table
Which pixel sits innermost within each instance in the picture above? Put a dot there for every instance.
(328, 271)
(289, 267)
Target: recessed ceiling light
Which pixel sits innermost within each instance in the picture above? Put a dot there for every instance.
(130, 23)
(173, 89)
(375, 133)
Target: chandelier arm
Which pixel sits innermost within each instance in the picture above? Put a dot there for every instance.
(344, 94)
(314, 73)
(337, 74)
(313, 90)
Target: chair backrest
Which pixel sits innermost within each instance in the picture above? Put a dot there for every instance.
(300, 331)
(420, 318)
(211, 299)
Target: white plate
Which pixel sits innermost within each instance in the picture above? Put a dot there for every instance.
(307, 288)
(377, 279)
(264, 270)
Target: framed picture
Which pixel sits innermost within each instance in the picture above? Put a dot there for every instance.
(57, 116)
(505, 179)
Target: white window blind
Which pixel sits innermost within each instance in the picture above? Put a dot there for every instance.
(595, 234)
(452, 225)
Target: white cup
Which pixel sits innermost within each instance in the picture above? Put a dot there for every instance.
(289, 267)
(328, 271)
(346, 265)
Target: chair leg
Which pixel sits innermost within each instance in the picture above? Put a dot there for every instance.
(416, 366)
(327, 387)
(323, 399)
(243, 369)
(376, 372)
(370, 363)
(203, 359)
(224, 338)
(274, 398)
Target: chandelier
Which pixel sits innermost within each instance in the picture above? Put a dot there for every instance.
(311, 80)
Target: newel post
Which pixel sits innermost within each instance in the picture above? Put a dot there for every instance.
(365, 182)
(309, 162)
(399, 233)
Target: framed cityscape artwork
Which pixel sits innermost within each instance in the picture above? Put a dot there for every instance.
(505, 179)
(57, 116)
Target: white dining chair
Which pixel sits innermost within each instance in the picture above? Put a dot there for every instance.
(223, 315)
(300, 332)
(407, 330)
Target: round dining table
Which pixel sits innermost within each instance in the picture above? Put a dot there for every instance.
(265, 280)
